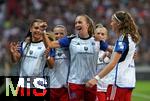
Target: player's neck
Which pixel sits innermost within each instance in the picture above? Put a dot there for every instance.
(84, 35)
(37, 39)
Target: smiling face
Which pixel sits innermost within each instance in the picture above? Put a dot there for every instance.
(36, 31)
(101, 33)
(82, 26)
(59, 32)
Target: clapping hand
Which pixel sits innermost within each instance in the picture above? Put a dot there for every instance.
(14, 47)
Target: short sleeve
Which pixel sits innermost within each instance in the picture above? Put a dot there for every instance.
(20, 48)
(64, 42)
(103, 45)
(120, 46)
(52, 53)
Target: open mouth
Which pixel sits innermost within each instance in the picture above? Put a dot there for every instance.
(37, 33)
(78, 28)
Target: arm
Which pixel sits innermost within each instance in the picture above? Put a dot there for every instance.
(54, 44)
(104, 71)
(110, 48)
(104, 46)
(51, 44)
(110, 66)
(119, 49)
(47, 42)
(50, 62)
(50, 54)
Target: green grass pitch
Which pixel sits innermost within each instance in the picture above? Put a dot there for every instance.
(141, 91)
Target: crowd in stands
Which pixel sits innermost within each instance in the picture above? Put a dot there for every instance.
(15, 16)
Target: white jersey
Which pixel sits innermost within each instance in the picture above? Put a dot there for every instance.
(59, 73)
(84, 54)
(109, 78)
(32, 61)
(83, 57)
(125, 69)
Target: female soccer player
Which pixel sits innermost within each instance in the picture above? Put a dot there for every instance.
(101, 33)
(83, 61)
(59, 73)
(124, 26)
(30, 54)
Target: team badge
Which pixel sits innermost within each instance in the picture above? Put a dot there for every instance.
(120, 44)
(59, 54)
(85, 48)
(30, 52)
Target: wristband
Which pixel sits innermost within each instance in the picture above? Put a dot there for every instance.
(97, 77)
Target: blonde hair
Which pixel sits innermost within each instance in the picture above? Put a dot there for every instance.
(61, 26)
(51, 35)
(99, 25)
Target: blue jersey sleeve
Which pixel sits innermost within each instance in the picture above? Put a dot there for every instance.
(120, 47)
(20, 50)
(64, 42)
(52, 53)
(103, 45)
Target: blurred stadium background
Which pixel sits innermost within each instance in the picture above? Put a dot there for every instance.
(16, 15)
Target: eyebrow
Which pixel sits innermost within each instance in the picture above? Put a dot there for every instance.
(59, 33)
(78, 21)
(36, 27)
(100, 33)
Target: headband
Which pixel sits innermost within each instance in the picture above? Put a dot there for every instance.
(117, 18)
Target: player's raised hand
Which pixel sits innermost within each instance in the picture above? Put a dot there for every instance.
(14, 47)
(43, 26)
